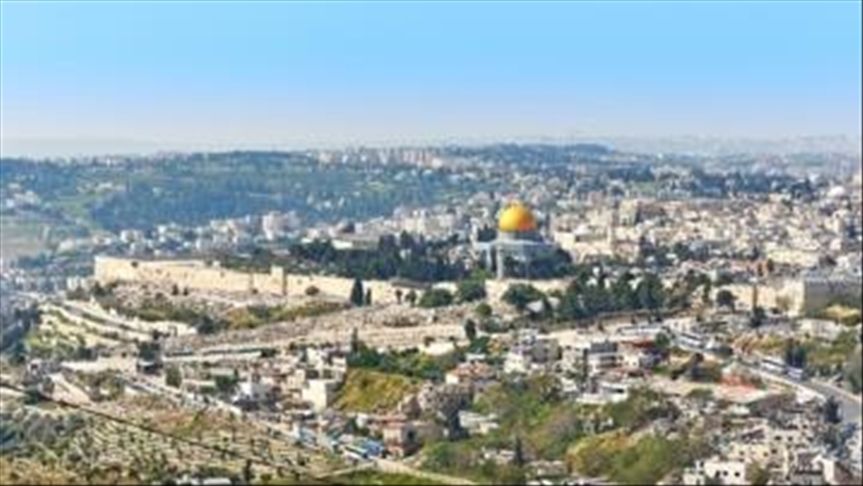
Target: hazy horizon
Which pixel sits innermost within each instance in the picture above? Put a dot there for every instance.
(670, 144)
(95, 78)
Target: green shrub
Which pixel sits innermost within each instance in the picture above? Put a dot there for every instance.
(436, 298)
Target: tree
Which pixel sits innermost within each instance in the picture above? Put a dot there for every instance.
(800, 357)
(570, 307)
(205, 324)
(173, 377)
(355, 340)
(32, 396)
(831, 411)
(723, 279)
(357, 295)
(483, 310)
(694, 368)
(155, 335)
(757, 475)
(149, 350)
(622, 295)
(175, 290)
(788, 352)
(759, 315)
(436, 298)
(406, 241)
(651, 294)
(518, 458)
(312, 291)
(399, 296)
(367, 300)
(18, 354)
(226, 384)
(795, 355)
(662, 342)
(411, 297)
(248, 473)
(724, 298)
(470, 290)
(520, 295)
(470, 330)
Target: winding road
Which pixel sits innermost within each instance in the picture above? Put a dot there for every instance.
(851, 405)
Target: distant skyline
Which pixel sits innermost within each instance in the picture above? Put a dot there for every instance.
(113, 77)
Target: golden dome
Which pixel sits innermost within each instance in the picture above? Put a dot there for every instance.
(516, 218)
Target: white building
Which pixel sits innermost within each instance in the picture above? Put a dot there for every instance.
(253, 390)
(855, 446)
(517, 361)
(273, 225)
(131, 236)
(320, 393)
(477, 424)
(728, 472)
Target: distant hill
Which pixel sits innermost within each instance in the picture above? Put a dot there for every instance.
(591, 149)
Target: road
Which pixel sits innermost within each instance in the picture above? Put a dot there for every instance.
(850, 404)
(852, 408)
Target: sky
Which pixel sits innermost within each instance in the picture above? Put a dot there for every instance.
(123, 75)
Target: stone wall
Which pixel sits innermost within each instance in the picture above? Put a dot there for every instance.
(797, 296)
(813, 294)
(767, 296)
(197, 275)
(382, 292)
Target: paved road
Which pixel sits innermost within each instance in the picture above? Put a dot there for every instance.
(852, 408)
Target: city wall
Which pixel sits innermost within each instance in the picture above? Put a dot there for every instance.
(197, 275)
(796, 296)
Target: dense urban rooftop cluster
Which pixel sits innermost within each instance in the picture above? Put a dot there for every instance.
(529, 314)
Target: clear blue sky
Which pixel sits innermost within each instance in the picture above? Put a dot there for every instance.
(269, 73)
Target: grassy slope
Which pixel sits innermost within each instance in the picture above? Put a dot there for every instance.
(624, 460)
(381, 478)
(371, 391)
(360, 478)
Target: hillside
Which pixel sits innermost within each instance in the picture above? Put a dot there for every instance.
(370, 391)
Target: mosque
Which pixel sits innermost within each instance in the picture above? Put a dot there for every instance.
(518, 241)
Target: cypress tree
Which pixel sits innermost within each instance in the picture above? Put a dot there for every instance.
(357, 294)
